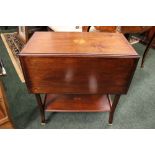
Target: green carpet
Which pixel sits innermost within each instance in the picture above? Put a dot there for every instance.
(135, 110)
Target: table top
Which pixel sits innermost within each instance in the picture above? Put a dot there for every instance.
(78, 43)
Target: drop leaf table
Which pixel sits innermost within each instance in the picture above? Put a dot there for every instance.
(78, 71)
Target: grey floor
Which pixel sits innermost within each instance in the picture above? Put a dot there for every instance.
(135, 110)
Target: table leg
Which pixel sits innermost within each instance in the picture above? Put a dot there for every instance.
(41, 107)
(85, 28)
(147, 50)
(115, 102)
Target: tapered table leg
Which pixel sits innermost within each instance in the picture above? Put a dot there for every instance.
(85, 28)
(111, 115)
(147, 50)
(41, 107)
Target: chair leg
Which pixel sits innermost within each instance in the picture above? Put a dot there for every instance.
(147, 50)
(111, 115)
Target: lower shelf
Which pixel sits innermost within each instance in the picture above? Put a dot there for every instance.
(77, 103)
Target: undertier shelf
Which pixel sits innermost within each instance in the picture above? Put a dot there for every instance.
(77, 103)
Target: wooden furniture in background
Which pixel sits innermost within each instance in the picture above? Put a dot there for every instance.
(78, 71)
(150, 44)
(148, 36)
(5, 119)
(126, 30)
(134, 29)
(122, 29)
(100, 28)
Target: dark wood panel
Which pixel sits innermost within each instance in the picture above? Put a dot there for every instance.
(78, 103)
(78, 75)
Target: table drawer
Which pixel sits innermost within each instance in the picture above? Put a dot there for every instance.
(74, 75)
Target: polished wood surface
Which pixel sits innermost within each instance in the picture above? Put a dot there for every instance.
(89, 70)
(78, 43)
(78, 65)
(87, 75)
(126, 30)
(78, 103)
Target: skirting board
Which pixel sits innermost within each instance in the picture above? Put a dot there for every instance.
(14, 59)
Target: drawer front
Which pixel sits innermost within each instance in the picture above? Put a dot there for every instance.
(87, 75)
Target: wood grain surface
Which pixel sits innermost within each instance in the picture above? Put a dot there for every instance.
(77, 75)
(51, 65)
(78, 103)
(78, 43)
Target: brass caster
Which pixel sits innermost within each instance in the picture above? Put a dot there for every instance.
(43, 124)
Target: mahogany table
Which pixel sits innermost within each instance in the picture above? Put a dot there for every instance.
(78, 71)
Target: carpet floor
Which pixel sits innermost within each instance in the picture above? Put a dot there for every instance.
(135, 110)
